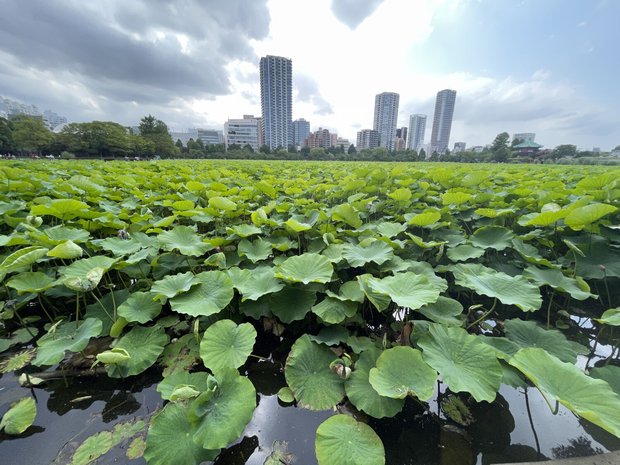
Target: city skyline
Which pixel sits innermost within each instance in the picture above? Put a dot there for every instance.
(442, 120)
(385, 118)
(528, 66)
(276, 99)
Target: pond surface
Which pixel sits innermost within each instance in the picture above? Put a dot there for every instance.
(70, 410)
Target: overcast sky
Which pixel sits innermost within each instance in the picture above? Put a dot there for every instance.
(544, 66)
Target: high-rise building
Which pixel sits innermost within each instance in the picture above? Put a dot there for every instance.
(301, 131)
(386, 116)
(245, 131)
(417, 128)
(459, 147)
(402, 133)
(321, 138)
(367, 139)
(276, 98)
(210, 136)
(442, 121)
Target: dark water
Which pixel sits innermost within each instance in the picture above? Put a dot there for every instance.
(71, 410)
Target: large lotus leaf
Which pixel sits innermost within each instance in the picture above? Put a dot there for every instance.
(19, 336)
(610, 317)
(334, 311)
(455, 198)
(557, 280)
(19, 417)
(529, 334)
(222, 416)
(492, 237)
(140, 307)
(425, 219)
(349, 291)
(346, 213)
(69, 336)
(169, 440)
(144, 346)
(357, 255)
(291, 303)
(510, 290)
(306, 268)
(31, 281)
(200, 380)
(171, 285)
(401, 195)
(600, 261)
(400, 371)
(297, 226)
(361, 393)
(409, 289)
(102, 442)
(185, 240)
(388, 229)
(380, 300)
(341, 440)
(331, 335)
(466, 364)
(609, 373)
(255, 251)
(65, 209)
(222, 203)
(244, 230)
(212, 294)
(444, 311)
(256, 283)
(22, 258)
(464, 252)
(85, 275)
(308, 375)
(581, 217)
(58, 234)
(227, 345)
(587, 397)
(66, 250)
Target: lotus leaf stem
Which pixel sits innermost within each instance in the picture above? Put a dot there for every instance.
(485, 315)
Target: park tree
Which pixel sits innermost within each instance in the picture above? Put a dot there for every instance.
(351, 150)
(156, 131)
(422, 154)
(30, 134)
(499, 148)
(248, 148)
(264, 149)
(565, 150)
(6, 135)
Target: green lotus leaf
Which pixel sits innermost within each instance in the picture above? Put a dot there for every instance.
(400, 371)
(380, 300)
(455, 198)
(244, 230)
(66, 250)
(172, 285)
(545, 218)
(400, 195)
(359, 344)
(227, 345)
(140, 307)
(361, 393)
(341, 440)
(253, 284)
(19, 417)
(601, 260)
(466, 364)
(331, 335)
(306, 268)
(120, 247)
(510, 290)
(17, 361)
(308, 375)
(22, 258)
(445, 311)
(425, 218)
(212, 294)
(409, 289)
(349, 291)
(592, 399)
(492, 237)
(222, 416)
(334, 311)
(610, 317)
(59, 234)
(19, 336)
(102, 442)
(347, 214)
(609, 373)
(136, 448)
(464, 252)
(65, 209)
(185, 240)
(144, 346)
(31, 281)
(377, 252)
(286, 395)
(557, 280)
(255, 251)
(201, 380)
(169, 440)
(291, 303)
(297, 226)
(424, 244)
(222, 203)
(84, 275)
(529, 334)
(581, 217)
(388, 229)
(67, 336)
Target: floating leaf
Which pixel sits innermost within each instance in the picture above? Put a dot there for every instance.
(136, 448)
(308, 375)
(67, 336)
(341, 440)
(202, 381)
(140, 307)
(227, 345)
(466, 364)
(17, 361)
(212, 294)
(19, 417)
(101, 443)
(19, 336)
(286, 395)
(306, 268)
(144, 346)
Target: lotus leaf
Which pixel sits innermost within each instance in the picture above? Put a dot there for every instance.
(31, 281)
(201, 380)
(66, 250)
(445, 311)
(587, 397)
(212, 294)
(22, 258)
(347, 214)
(256, 284)
(600, 260)
(334, 311)
(185, 240)
(72, 336)
(291, 303)
(172, 285)
(582, 217)
(528, 334)
(349, 291)
(380, 300)
(136, 448)
(140, 307)
(19, 417)
(390, 229)
(144, 346)
(222, 203)
(169, 440)
(610, 317)
(557, 280)
(85, 275)
(464, 252)
(244, 230)
(409, 289)
(456, 198)
(222, 416)
(308, 375)
(20, 336)
(466, 364)
(341, 440)
(306, 268)
(331, 335)
(425, 219)
(609, 373)
(286, 395)
(492, 237)
(65, 209)
(227, 345)
(357, 255)
(255, 251)
(17, 361)
(101, 443)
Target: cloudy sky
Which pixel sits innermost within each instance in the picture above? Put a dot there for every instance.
(544, 66)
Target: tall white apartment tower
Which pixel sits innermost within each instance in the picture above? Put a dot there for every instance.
(417, 127)
(276, 99)
(442, 121)
(386, 116)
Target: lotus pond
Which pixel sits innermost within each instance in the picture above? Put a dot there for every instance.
(178, 312)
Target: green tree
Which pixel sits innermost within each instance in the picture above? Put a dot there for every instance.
(30, 134)
(156, 131)
(6, 135)
(105, 139)
(499, 148)
(565, 150)
(248, 148)
(264, 149)
(422, 154)
(351, 150)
